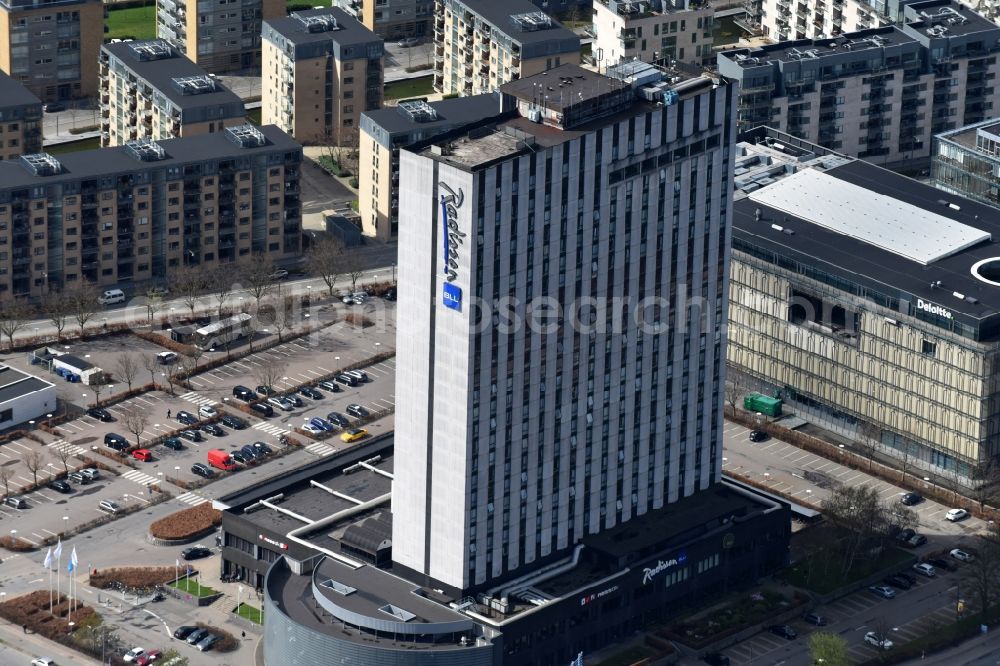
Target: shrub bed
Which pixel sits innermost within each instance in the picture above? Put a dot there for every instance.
(747, 610)
(32, 611)
(134, 577)
(166, 342)
(228, 642)
(17, 545)
(187, 523)
(358, 319)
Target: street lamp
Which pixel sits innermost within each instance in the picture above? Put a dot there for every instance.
(177, 472)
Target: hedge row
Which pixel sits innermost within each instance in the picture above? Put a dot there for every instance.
(134, 577)
(186, 523)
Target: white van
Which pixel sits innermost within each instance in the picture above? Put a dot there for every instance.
(111, 296)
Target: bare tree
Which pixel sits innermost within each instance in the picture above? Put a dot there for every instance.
(127, 367)
(189, 285)
(190, 364)
(908, 451)
(62, 454)
(14, 317)
(34, 461)
(257, 276)
(864, 522)
(736, 386)
(172, 371)
(151, 364)
(83, 305)
(985, 482)
(6, 474)
(136, 419)
(221, 282)
(323, 260)
(982, 574)
(353, 267)
(57, 307)
(154, 303)
(871, 440)
(281, 321)
(269, 373)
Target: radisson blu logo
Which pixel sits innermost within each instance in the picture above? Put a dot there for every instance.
(454, 240)
(649, 573)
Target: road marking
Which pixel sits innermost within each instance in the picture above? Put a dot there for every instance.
(143, 479)
(320, 449)
(324, 370)
(270, 429)
(193, 499)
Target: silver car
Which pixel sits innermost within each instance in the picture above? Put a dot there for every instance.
(280, 403)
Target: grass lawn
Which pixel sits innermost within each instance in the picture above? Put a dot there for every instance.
(135, 22)
(418, 87)
(822, 582)
(628, 656)
(253, 115)
(191, 586)
(249, 612)
(74, 146)
(296, 5)
(354, 206)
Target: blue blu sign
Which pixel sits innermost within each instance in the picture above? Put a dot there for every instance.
(452, 296)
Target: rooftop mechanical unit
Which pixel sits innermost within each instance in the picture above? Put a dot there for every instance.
(195, 85)
(418, 111)
(246, 136)
(531, 21)
(156, 49)
(318, 23)
(145, 150)
(41, 164)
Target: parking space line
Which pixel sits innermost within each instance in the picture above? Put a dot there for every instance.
(324, 370)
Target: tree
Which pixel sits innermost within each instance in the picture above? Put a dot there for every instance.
(13, 317)
(353, 266)
(136, 419)
(985, 480)
(151, 364)
(736, 386)
(323, 260)
(221, 281)
(981, 576)
(828, 649)
(62, 454)
(909, 449)
(269, 373)
(257, 276)
(189, 285)
(154, 303)
(281, 320)
(6, 474)
(864, 522)
(96, 386)
(127, 367)
(34, 461)
(83, 305)
(871, 440)
(57, 306)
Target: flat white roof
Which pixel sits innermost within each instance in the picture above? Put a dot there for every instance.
(861, 213)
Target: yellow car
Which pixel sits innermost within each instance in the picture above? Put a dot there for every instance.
(354, 434)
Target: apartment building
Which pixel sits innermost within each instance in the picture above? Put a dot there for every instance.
(149, 90)
(385, 131)
(140, 211)
(322, 70)
(783, 20)
(50, 47)
(20, 120)
(880, 94)
(219, 35)
(869, 301)
(481, 44)
(966, 161)
(656, 31)
(397, 19)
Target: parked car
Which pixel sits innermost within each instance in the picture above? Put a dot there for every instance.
(878, 641)
(173, 443)
(115, 441)
(184, 631)
(910, 499)
(784, 631)
(905, 535)
(150, 657)
(167, 358)
(264, 409)
(908, 577)
(354, 434)
(100, 414)
(357, 411)
(234, 422)
(312, 430)
(715, 659)
(91, 473)
(243, 393)
(329, 385)
(323, 424)
(961, 555)
(955, 515)
(757, 435)
(814, 619)
(883, 591)
(15, 502)
(109, 506)
(310, 392)
(408, 42)
(190, 435)
(346, 380)
(208, 641)
(53, 107)
(264, 389)
(338, 419)
(213, 429)
(280, 403)
(279, 274)
(195, 553)
(916, 541)
(196, 636)
(133, 654)
(143, 455)
(262, 449)
(221, 460)
(925, 569)
(359, 375)
(942, 563)
(207, 412)
(187, 418)
(898, 582)
(249, 452)
(158, 291)
(43, 661)
(60, 486)
(237, 457)
(202, 470)
(77, 477)
(390, 294)
(294, 399)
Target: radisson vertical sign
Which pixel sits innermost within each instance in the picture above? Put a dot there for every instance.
(453, 239)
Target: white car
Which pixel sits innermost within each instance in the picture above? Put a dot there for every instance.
(134, 654)
(207, 412)
(42, 661)
(925, 569)
(961, 555)
(954, 515)
(878, 641)
(312, 430)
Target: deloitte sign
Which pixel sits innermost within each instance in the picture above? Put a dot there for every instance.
(934, 309)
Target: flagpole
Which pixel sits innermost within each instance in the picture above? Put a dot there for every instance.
(50, 590)
(58, 570)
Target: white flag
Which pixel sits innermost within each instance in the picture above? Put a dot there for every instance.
(48, 559)
(57, 553)
(72, 558)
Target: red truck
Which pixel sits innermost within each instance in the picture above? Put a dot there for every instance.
(220, 459)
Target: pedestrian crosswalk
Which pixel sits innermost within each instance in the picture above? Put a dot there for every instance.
(271, 429)
(320, 449)
(63, 445)
(143, 479)
(194, 499)
(201, 401)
